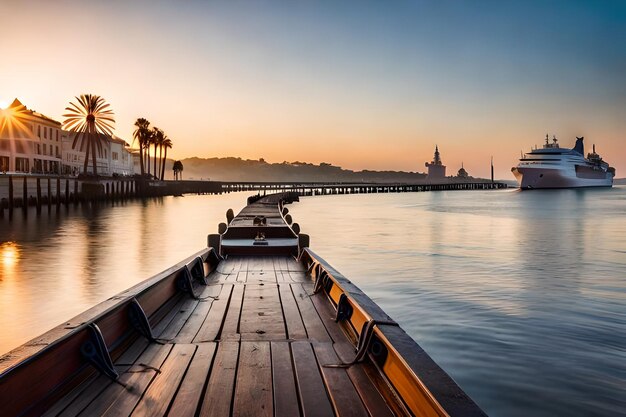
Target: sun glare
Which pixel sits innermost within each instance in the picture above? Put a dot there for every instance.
(9, 255)
(3, 104)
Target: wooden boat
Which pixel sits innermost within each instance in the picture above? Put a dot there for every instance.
(255, 324)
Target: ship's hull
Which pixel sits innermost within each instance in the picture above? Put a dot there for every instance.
(537, 178)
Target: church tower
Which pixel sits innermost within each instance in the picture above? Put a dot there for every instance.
(436, 169)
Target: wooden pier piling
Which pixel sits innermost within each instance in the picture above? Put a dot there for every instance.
(38, 195)
(10, 193)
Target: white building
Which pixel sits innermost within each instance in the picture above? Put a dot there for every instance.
(33, 143)
(114, 159)
(120, 157)
(29, 141)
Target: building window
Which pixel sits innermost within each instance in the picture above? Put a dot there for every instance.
(38, 149)
(57, 135)
(114, 156)
(39, 130)
(21, 164)
(45, 149)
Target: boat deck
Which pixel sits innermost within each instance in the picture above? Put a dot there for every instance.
(255, 343)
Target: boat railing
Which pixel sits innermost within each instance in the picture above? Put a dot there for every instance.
(423, 387)
(37, 374)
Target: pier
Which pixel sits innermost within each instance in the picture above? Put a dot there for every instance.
(325, 188)
(22, 191)
(39, 190)
(255, 324)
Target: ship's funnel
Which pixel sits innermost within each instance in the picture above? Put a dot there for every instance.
(579, 147)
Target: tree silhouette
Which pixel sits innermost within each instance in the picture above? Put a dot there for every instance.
(178, 170)
(89, 120)
(167, 144)
(142, 136)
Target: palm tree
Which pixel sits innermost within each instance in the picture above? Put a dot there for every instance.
(167, 144)
(178, 169)
(147, 149)
(88, 120)
(142, 136)
(157, 138)
(161, 139)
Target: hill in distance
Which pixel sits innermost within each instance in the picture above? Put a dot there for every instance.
(237, 169)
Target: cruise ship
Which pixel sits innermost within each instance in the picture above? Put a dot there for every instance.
(554, 167)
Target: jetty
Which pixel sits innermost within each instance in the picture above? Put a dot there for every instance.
(255, 324)
(53, 190)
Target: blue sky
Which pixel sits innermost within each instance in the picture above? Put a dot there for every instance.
(359, 84)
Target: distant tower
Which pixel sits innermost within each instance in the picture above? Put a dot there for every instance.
(492, 169)
(436, 169)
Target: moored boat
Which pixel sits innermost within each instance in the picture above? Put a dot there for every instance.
(554, 167)
(255, 324)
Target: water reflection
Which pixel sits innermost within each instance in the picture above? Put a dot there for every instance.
(9, 256)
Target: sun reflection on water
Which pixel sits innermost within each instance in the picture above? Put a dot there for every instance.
(10, 256)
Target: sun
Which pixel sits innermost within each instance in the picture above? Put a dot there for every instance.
(3, 104)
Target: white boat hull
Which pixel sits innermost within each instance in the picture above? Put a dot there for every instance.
(537, 178)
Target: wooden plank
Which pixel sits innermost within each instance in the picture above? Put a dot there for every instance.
(182, 315)
(160, 393)
(279, 263)
(286, 264)
(253, 389)
(295, 326)
(280, 277)
(119, 400)
(312, 322)
(242, 276)
(313, 397)
(219, 391)
(369, 392)
(258, 277)
(188, 396)
(199, 314)
(227, 266)
(283, 381)
(212, 324)
(344, 348)
(167, 319)
(299, 276)
(261, 314)
(230, 329)
(133, 352)
(71, 396)
(293, 264)
(372, 398)
(88, 394)
(260, 263)
(344, 396)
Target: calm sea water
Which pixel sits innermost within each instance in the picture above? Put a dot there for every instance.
(519, 296)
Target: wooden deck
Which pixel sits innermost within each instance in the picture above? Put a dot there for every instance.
(255, 344)
(244, 335)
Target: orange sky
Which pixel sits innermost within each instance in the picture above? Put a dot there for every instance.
(358, 87)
